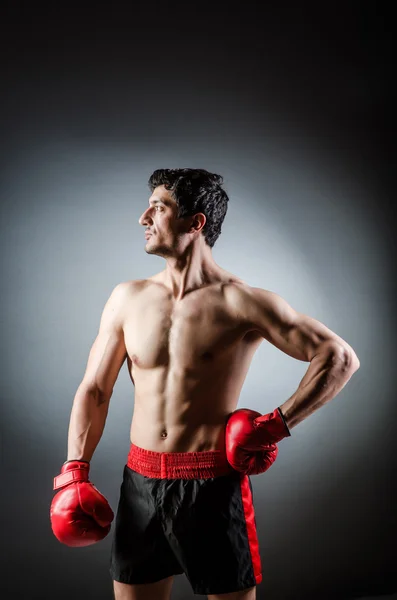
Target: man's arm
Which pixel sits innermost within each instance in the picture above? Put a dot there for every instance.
(91, 402)
(332, 360)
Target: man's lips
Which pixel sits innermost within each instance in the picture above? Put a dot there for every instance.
(147, 234)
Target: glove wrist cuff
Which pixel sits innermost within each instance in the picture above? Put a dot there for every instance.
(72, 471)
(284, 421)
(274, 426)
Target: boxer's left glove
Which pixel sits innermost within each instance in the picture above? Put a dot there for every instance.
(251, 439)
(80, 515)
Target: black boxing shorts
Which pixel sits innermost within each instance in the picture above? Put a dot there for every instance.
(185, 512)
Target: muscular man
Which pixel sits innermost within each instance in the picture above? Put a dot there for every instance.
(189, 334)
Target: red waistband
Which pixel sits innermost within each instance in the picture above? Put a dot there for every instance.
(178, 465)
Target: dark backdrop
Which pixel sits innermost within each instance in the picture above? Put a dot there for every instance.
(292, 103)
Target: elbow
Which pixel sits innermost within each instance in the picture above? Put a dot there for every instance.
(347, 358)
(97, 393)
(351, 361)
(103, 395)
(355, 363)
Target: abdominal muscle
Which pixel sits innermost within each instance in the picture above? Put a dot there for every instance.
(181, 413)
(173, 436)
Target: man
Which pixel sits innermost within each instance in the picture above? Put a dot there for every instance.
(188, 334)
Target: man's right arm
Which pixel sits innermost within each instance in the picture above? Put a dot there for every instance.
(106, 357)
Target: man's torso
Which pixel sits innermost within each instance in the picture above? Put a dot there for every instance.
(188, 360)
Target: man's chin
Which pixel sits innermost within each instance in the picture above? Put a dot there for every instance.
(157, 250)
(152, 249)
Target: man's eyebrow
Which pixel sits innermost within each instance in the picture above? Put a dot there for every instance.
(165, 202)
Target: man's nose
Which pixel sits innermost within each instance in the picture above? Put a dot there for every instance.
(145, 217)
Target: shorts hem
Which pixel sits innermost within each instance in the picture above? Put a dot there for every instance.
(225, 589)
(131, 580)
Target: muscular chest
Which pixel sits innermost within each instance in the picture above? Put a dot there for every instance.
(188, 333)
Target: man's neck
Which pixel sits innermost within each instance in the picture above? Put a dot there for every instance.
(184, 278)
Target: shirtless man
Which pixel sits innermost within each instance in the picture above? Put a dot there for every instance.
(189, 334)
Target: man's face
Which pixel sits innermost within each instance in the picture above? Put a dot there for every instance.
(165, 231)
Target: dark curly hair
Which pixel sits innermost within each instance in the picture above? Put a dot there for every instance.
(195, 190)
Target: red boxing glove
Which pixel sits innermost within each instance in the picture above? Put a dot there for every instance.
(80, 515)
(251, 439)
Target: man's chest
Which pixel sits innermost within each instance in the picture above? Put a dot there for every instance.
(186, 334)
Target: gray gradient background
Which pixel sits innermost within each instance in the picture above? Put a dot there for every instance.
(292, 107)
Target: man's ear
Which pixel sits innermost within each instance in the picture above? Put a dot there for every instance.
(198, 222)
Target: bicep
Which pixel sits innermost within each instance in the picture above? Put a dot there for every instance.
(108, 351)
(294, 333)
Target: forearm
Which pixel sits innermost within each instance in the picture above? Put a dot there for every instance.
(326, 376)
(87, 422)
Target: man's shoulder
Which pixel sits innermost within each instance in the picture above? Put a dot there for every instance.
(249, 299)
(132, 285)
(124, 295)
(242, 289)
(126, 290)
(123, 287)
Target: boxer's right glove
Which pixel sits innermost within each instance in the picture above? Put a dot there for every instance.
(80, 515)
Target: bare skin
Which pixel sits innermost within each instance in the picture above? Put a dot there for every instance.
(189, 376)
(188, 335)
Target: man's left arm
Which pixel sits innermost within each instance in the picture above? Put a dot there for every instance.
(332, 360)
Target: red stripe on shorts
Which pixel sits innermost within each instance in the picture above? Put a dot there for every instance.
(249, 513)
